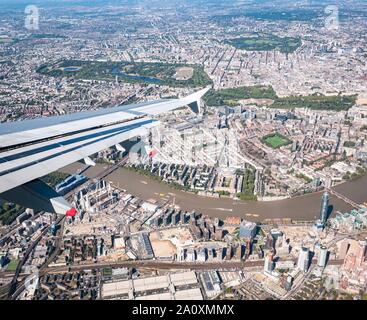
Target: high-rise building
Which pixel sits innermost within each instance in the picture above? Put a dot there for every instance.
(212, 232)
(192, 219)
(229, 252)
(289, 283)
(210, 254)
(324, 207)
(362, 252)
(176, 217)
(54, 229)
(221, 253)
(197, 232)
(202, 254)
(218, 234)
(344, 248)
(183, 217)
(167, 220)
(322, 260)
(216, 222)
(355, 255)
(269, 263)
(303, 259)
(201, 222)
(181, 254)
(206, 234)
(248, 248)
(239, 251)
(190, 255)
(270, 242)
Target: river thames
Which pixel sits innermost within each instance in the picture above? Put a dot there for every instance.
(305, 207)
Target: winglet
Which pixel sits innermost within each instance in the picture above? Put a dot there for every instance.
(194, 100)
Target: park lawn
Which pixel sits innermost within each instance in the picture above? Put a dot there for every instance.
(316, 102)
(276, 141)
(231, 96)
(266, 42)
(139, 72)
(12, 266)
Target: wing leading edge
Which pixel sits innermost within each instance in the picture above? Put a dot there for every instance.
(31, 149)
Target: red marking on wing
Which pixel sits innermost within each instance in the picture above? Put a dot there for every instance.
(152, 153)
(71, 212)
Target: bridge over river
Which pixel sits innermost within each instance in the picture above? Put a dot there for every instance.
(344, 197)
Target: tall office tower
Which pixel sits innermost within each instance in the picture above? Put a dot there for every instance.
(216, 222)
(324, 207)
(356, 254)
(54, 229)
(303, 259)
(181, 254)
(206, 234)
(240, 251)
(167, 219)
(321, 262)
(183, 217)
(248, 249)
(229, 252)
(269, 263)
(176, 217)
(218, 234)
(193, 219)
(289, 283)
(344, 248)
(362, 252)
(270, 242)
(221, 253)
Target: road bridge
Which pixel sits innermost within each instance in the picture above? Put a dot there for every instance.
(344, 198)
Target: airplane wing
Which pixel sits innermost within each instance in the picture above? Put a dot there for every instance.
(34, 148)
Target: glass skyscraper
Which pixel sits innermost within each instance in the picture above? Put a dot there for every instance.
(324, 207)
